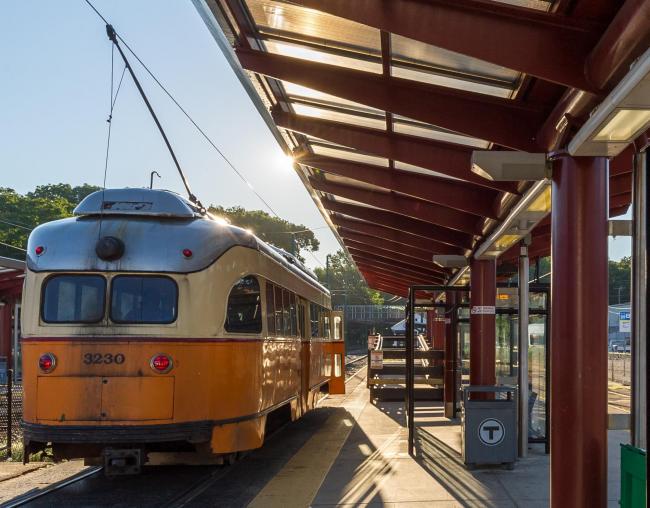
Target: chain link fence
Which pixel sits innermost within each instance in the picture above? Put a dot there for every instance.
(11, 413)
(619, 368)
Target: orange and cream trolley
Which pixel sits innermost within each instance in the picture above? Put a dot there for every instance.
(151, 327)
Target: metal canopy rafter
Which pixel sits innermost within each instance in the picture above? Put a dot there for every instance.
(508, 123)
(398, 222)
(454, 194)
(455, 220)
(395, 236)
(444, 158)
(548, 46)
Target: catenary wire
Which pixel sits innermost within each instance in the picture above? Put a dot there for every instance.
(13, 246)
(187, 115)
(193, 122)
(15, 225)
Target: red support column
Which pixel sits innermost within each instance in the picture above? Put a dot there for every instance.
(438, 332)
(451, 356)
(482, 348)
(578, 333)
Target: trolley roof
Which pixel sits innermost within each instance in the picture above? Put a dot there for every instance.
(155, 226)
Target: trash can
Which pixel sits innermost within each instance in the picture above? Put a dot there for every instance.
(633, 476)
(489, 426)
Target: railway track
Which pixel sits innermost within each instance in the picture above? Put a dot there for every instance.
(177, 486)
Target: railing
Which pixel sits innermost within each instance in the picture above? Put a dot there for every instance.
(11, 412)
(372, 312)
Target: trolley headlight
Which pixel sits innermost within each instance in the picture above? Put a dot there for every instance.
(161, 363)
(47, 363)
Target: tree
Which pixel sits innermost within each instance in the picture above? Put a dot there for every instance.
(72, 195)
(279, 232)
(21, 213)
(620, 276)
(345, 282)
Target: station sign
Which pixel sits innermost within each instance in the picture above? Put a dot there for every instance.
(483, 309)
(624, 321)
(376, 359)
(491, 432)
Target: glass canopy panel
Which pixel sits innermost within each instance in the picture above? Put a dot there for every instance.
(339, 116)
(349, 155)
(447, 81)
(317, 27)
(351, 182)
(314, 55)
(450, 63)
(424, 130)
(539, 5)
(298, 91)
(423, 171)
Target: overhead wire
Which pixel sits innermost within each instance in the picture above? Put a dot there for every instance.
(13, 246)
(188, 116)
(196, 125)
(16, 225)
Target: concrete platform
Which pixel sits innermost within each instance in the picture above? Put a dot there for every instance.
(358, 457)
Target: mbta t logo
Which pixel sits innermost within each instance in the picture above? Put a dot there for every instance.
(491, 432)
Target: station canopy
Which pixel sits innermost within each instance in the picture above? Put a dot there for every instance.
(381, 104)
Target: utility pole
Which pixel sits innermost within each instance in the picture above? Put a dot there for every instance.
(327, 270)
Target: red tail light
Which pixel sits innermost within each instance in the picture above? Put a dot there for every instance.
(39, 250)
(47, 363)
(161, 363)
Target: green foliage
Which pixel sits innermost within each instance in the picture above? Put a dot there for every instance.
(345, 282)
(279, 232)
(46, 203)
(620, 277)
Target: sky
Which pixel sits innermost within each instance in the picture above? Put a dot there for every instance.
(54, 102)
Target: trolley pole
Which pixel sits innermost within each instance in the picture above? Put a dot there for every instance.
(523, 348)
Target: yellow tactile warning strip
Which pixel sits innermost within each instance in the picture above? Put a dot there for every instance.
(299, 480)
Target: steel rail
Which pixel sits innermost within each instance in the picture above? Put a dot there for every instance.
(29, 497)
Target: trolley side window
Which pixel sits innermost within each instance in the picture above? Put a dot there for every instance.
(74, 299)
(144, 300)
(270, 309)
(244, 307)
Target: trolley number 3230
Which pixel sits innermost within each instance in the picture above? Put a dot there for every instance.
(98, 358)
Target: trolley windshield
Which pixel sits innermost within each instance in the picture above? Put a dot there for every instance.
(74, 299)
(143, 299)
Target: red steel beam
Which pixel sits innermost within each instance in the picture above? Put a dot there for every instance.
(411, 207)
(367, 243)
(388, 265)
(385, 244)
(388, 289)
(388, 281)
(406, 275)
(399, 222)
(503, 121)
(395, 236)
(549, 46)
(406, 281)
(443, 191)
(446, 158)
(626, 38)
(620, 200)
(389, 259)
(621, 210)
(623, 162)
(620, 184)
(426, 266)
